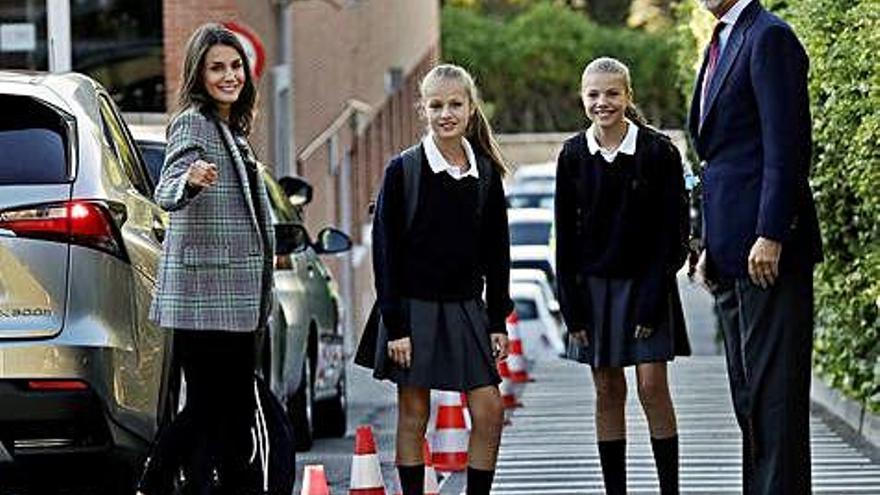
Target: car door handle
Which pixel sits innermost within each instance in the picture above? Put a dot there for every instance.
(158, 229)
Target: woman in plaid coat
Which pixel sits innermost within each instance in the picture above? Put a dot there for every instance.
(215, 276)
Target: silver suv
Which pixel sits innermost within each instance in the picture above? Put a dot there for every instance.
(82, 369)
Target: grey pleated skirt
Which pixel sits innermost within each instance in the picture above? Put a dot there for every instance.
(451, 348)
(611, 337)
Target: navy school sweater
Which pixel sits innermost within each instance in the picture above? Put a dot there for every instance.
(619, 220)
(448, 253)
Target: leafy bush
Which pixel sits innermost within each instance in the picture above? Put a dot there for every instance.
(842, 39)
(529, 67)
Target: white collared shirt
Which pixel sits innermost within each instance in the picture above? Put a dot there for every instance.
(729, 19)
(627, 146)
(439, 164)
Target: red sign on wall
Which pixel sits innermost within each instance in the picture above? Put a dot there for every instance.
(253, 47)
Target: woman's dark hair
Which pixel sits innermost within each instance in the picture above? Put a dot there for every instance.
(479, 132)
(192, 90)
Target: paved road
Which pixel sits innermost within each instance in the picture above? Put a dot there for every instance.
(551, 446)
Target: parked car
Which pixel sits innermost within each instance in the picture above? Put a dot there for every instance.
(302, 357)
(536, 194)
(538, 278)
(543, 173)
(538, 328)
(82, 369)
(530, 226)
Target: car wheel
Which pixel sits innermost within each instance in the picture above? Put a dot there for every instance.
(301, 409)
(334, 413)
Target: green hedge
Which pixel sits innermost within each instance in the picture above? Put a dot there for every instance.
(842, 39)
(528, 65)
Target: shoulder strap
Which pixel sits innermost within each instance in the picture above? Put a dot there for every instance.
(412, 172)
(484, 169)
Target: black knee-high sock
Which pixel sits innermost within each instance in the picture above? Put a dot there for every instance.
(612, 455)
(412, 479)
(666, 458)
(479, 481)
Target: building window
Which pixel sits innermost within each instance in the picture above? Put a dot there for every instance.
(117, 42)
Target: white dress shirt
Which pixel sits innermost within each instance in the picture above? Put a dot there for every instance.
(627, 146)
(439, 164)
(729, 19)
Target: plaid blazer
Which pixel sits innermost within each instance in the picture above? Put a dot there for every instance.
(216, 269)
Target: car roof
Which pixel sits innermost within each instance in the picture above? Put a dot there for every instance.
(69, 91)
(546, 169)
(515, 215)
(531, 274)
(532, 187)
(530, 252)
(526, 290)
(152, 133)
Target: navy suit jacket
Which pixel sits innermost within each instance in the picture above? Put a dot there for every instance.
(755, 143)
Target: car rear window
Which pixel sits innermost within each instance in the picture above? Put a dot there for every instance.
(525, 309)
(530, 233)
(33, 143)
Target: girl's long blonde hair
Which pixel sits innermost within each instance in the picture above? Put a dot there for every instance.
(479, 132)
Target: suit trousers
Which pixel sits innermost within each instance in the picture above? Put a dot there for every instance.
(768, 338)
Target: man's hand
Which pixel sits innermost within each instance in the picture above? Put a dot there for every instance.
(580, 337)
(700, 273)
(400, 351)
(500, 344)
(764, 262)
(202, 174)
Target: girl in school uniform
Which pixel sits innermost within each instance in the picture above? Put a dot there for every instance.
(435, 331)
(620, 202)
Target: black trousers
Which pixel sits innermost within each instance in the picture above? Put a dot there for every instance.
(768, 338)
(210, 439)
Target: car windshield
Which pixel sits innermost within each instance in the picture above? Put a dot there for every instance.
(526, 309)
(37, 135)
(530, 233)
(530, 200)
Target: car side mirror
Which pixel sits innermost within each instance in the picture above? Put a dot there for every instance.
(297, 190)
(553, 306)
(290, 238)
(331, 241)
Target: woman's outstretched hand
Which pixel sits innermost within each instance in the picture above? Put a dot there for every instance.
(202, 174)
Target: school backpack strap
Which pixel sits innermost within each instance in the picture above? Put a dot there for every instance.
(412, 173)
(484, 170)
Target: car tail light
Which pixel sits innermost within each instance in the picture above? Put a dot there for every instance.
(93, 224)
(57, 385)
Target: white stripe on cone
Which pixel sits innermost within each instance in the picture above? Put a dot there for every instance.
(365, 472)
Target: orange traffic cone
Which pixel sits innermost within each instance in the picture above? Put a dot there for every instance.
(515, 358)
(314, 481)
(432, 487)
(450, 439)
(508, 394)
(366, 475)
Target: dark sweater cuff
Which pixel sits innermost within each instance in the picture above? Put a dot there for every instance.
(394, 323)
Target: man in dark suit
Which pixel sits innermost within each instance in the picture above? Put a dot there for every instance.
(750, 124)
